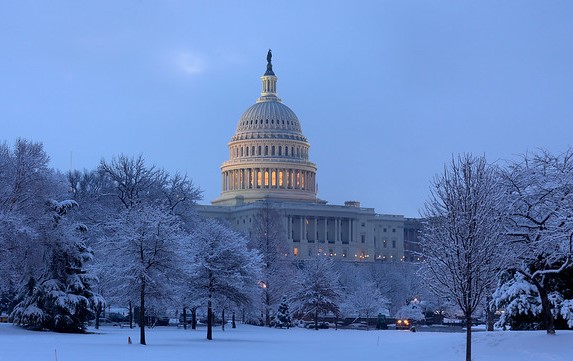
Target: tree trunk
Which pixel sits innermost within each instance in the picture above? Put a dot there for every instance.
(142, 315)
(209, 320)
(546, 309)
(194, 318)
(223, 320)
(233, 325)
(489, 314)
(184, 318)
(98, 314)
(130, 315)
(267, 307)
(468, 337)
(316, 320)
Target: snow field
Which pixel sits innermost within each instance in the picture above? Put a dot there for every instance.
(253, 343)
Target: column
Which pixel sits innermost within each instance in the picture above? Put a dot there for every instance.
(336, 230)
(315, 230)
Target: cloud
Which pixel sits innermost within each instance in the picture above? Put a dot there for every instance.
(190, 63)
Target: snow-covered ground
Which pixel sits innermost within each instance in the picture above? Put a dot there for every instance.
(257, 343)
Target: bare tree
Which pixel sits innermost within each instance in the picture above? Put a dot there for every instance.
(145, 244)
(366, 300)
(222, 269)
(318, 290)
(143, 228)
(269, 238)
(462, 248)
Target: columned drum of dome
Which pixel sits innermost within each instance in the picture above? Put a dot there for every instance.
(268, 155)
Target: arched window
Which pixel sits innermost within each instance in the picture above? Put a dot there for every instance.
(241, 151)
(247, 151)
(280, 150)
(273, 150)
(286, 151)
(266, 150)
(260, 149)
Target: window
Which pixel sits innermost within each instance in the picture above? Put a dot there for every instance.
(393, 230)
(295, 251)
(384, 230)
(385, 243)
(393, 243)
(363, 224)
(362, 238)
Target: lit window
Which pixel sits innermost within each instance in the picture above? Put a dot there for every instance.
(295, 251)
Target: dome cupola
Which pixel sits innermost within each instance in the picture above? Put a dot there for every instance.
(268, 154)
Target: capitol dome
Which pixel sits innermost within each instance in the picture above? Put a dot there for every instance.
(268, 154)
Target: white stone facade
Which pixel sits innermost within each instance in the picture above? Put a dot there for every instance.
(269, 162)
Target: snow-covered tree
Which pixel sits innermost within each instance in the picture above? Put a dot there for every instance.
(222, 267)
(412, 311)
(461, 246)
(268, 237)
(318, 290)
(61, 298)
(366, 301)
(146, 214)
(26, 184)
(282, 317)
(146, 242)
(538, 214)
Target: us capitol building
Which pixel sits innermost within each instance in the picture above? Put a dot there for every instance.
(269, 163)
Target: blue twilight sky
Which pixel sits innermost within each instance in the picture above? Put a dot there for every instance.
(386, 91)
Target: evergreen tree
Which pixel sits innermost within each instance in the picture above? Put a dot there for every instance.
(61, 298)
(282, 318)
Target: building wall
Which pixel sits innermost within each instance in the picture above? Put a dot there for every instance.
(349, 233)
